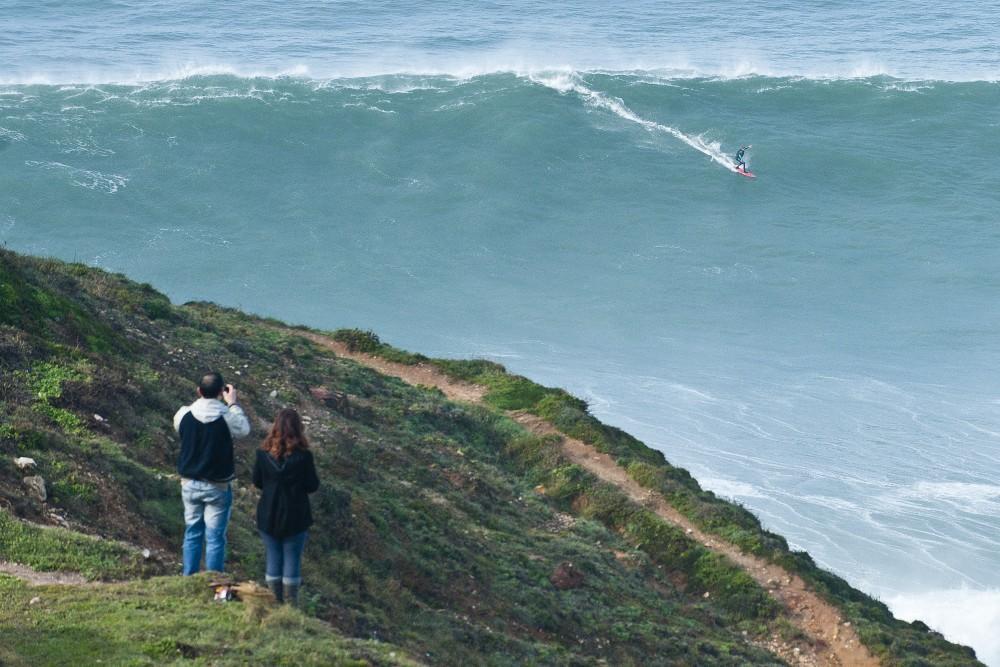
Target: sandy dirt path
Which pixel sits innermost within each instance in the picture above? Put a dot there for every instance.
(834, 642)
(35, 578)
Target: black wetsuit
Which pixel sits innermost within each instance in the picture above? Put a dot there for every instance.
(739, 159)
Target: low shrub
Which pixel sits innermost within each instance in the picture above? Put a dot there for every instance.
(358, 340)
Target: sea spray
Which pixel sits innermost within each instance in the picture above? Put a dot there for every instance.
(948, 612)
(571, 82)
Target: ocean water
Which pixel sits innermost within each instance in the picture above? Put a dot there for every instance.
(550, 186)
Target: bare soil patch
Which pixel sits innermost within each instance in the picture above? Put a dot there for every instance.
(35, 578)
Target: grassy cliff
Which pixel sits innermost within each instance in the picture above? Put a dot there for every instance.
(441, 527)
(893, 641)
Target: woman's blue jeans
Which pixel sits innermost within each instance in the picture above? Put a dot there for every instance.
(284, 557)
(207, 507)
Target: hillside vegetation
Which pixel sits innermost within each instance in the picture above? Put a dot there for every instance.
(446, 533)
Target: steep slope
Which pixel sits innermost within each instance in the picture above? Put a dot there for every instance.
(445, 528)
(814, 602)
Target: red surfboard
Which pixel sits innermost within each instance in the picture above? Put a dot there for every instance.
(748, 174)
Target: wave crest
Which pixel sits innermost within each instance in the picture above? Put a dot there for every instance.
(464, 70)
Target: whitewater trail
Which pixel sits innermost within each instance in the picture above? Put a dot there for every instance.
(833, 641)
(568, 82)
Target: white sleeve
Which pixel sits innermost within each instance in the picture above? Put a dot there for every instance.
(236, 419)
(179, 416)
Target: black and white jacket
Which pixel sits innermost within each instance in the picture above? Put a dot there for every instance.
(207, 428)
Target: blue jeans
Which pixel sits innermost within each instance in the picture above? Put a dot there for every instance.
(284, 557)
(206, 516)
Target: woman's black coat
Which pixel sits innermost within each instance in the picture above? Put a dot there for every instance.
(283, 509)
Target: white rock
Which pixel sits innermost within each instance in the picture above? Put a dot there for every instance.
(24, 462)
(99, 418)
(35, 600)
(274, 393)
(146, 553)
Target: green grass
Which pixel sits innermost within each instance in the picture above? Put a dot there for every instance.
(54, 549)
(7, 432)
(706, 572)
(45, 381)
(27, 305)
(167, 621)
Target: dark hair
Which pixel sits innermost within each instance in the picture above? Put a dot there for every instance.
(211, 385)
(286, 435)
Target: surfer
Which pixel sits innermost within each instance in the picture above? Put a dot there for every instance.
(740, 162)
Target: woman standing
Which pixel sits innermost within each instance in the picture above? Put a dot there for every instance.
(285, 472)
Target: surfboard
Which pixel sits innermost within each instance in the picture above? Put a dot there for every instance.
(748, 174)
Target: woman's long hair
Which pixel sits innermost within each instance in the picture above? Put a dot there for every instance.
(286, 435)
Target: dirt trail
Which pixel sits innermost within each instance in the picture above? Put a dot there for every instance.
(35, 578)
(834, 642)
(420, 374)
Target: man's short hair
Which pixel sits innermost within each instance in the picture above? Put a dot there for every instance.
(211, 385)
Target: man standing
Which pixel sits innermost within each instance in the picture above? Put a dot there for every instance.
(740, 162)
(207, 428)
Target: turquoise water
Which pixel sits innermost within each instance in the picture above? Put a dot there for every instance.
(551, 187)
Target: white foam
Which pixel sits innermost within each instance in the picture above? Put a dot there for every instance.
(83, 147)
(566, 82)
(728, 488)
(966, 496)
(84, 178)
(390, 84)
(768, 89)
(864, 69)
(962, 615)
(959, 491)
(137, 76)
(691, 391)
(455, 105)
(11, 135)
(907, 87)
(366, 107)
(836, 503)
(471, 65)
